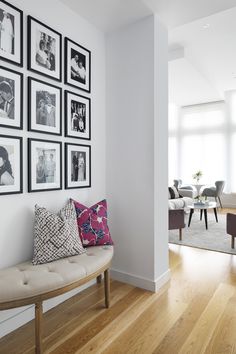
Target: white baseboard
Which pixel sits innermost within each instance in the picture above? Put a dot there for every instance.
(15, 318)
(141, 282)
(162, 280)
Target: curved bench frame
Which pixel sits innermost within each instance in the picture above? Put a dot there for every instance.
(38, 300)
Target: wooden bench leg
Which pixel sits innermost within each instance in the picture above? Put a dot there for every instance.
(232, 241)
(107, 287)
(99, 279)
(38, 328)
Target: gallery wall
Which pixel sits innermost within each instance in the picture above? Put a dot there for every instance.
(17, 211)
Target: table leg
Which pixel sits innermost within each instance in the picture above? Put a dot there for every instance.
(201, 214)
(205, 216)
(215, 211)
(190, 217)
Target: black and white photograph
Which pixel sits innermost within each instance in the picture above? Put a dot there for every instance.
(77, 166)
(11, 98)
(77, 65)
(11, 33)
(45, 168)
(10, 165)
(44, 49)
(44, 107)
(78, 116)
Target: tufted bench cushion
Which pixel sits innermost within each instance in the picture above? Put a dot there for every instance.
(26, 280)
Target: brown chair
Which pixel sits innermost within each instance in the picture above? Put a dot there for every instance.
(231, 227)
(176, 221)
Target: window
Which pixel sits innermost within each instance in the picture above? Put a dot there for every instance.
(203, 137)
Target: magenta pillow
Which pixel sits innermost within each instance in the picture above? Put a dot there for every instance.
(92, 224)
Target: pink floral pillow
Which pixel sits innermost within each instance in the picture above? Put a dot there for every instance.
(92, 224)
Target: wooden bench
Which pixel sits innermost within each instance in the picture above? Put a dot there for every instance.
(26, 284)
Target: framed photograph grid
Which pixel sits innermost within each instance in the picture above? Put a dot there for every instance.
(44, 57)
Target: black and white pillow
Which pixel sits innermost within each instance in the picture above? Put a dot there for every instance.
(173, 193)
(56, 236)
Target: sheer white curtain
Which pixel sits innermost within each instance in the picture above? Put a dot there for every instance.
(203, 137)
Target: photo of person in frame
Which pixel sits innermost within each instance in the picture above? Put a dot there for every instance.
(6, 32)
(45, 166)
(78, 116)
(45, 110)
(45, 53)
(78, 66)
(7, 101)
(6, 171)
(78, 166)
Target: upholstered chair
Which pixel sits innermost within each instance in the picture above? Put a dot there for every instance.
(186, 190)
(214, 192)
(177, 183)
(176, 221)
(231, 227)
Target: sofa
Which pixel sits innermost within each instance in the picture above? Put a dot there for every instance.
(182, 203)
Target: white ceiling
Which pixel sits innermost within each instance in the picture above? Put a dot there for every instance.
(178, 12)
(206, 69)
(109, 15)
(204, 73)
(188, 86)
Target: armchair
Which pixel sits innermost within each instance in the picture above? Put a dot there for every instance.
(185, 191)
(231, 227)
(215, 192)
(176, 221)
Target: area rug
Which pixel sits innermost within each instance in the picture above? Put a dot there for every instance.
(215, 238)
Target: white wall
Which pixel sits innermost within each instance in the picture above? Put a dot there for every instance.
(16, 211)
(161, 154)
(136, 163)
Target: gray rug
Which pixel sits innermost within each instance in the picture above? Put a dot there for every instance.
(215, 238)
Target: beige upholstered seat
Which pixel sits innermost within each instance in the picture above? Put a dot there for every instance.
(27, 280)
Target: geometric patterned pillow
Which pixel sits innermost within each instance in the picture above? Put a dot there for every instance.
(92, 224)
(56, 236)
(173, 193)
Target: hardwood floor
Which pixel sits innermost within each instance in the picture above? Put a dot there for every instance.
(225, 210)
(194, 313)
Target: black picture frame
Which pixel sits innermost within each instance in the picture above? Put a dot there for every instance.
(19, 32)
(43, 144)
(31, 63)
(85, 101)
(32, 117)
(85, 54)
(17, 169)
(77, 148)
(18, 92)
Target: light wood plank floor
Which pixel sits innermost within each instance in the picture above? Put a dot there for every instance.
(194, 313)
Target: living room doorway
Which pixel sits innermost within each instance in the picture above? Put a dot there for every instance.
(202, 131)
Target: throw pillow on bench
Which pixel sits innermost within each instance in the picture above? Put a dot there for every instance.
(92, 224)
